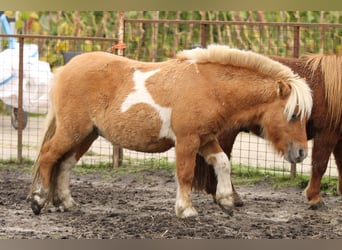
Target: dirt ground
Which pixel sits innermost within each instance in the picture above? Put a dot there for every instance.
(141, 205)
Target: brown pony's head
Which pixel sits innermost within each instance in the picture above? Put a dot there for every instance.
(282, 106)
(286, 127)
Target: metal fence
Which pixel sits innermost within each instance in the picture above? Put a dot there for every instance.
(167, 37)
(283, 39)
(20, 140)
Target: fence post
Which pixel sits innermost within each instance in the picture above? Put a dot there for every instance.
(203, 35)
(117, 150)
(121, 33)
(20, 101)
(296, 43)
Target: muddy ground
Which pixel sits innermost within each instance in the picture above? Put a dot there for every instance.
(141, 205)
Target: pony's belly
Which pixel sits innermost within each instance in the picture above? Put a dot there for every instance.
(140, 128)
(153, 147)
(142, 142)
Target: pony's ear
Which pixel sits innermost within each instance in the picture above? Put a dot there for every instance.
(283, 89)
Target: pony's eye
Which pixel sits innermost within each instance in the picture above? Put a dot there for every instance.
(294, 117)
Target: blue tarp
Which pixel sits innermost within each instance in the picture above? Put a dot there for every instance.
(7, 30)
(36, 79)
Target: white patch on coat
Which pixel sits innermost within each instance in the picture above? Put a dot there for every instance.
(141, 95)
(221, 165)
(183, 206)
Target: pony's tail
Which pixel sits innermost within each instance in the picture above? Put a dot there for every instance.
(48, 132)
(205, 177)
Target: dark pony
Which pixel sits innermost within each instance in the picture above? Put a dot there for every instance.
(324, 76)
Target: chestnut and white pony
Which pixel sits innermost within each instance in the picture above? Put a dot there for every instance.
(150, 107)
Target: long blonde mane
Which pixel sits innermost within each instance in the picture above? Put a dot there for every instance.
(301, 93)
(330, 67)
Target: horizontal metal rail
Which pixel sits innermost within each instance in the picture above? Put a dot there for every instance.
(199, 22)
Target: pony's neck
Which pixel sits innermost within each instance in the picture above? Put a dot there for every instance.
(245, 108)
(246, 118)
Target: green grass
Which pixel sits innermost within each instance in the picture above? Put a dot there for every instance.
(13, 163)
(130, 166)
(251, 176)
(242, 175)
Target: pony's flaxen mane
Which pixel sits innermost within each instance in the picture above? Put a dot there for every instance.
(300, 95)
(331, 68)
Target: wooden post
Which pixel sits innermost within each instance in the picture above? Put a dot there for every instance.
(296, 41)
(117, 156)
(293, 171)
(20, 101)
(296, 46)
(203, 35)
(121, 33)
(117, 150)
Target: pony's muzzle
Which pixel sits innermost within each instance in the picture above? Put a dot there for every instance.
(296, 154)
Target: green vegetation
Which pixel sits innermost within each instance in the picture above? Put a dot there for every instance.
(129, 166)
(251, 176)
(242, 175)
(25, 166)
(157, 42)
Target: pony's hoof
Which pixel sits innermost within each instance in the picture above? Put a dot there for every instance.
(227, 210)
(63, 206)
(318, 205)
(36, 208)
(238, 203)
(226, 205)
(56, 209)
(186, 213)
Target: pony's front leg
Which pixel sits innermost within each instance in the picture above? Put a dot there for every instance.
(214, 156)
(186, 149)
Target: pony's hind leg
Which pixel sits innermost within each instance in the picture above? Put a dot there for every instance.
(214, 156)
(322, 148)
(63, 199)
(51, 153)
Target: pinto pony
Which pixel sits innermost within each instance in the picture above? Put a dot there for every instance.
(324, 76)
(183, 102)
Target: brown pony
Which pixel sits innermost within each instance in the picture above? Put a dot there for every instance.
(324, 75)
(150, 107)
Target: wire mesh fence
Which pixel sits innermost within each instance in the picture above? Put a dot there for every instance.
(17, 143)
(149, 40)
(282, 39)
